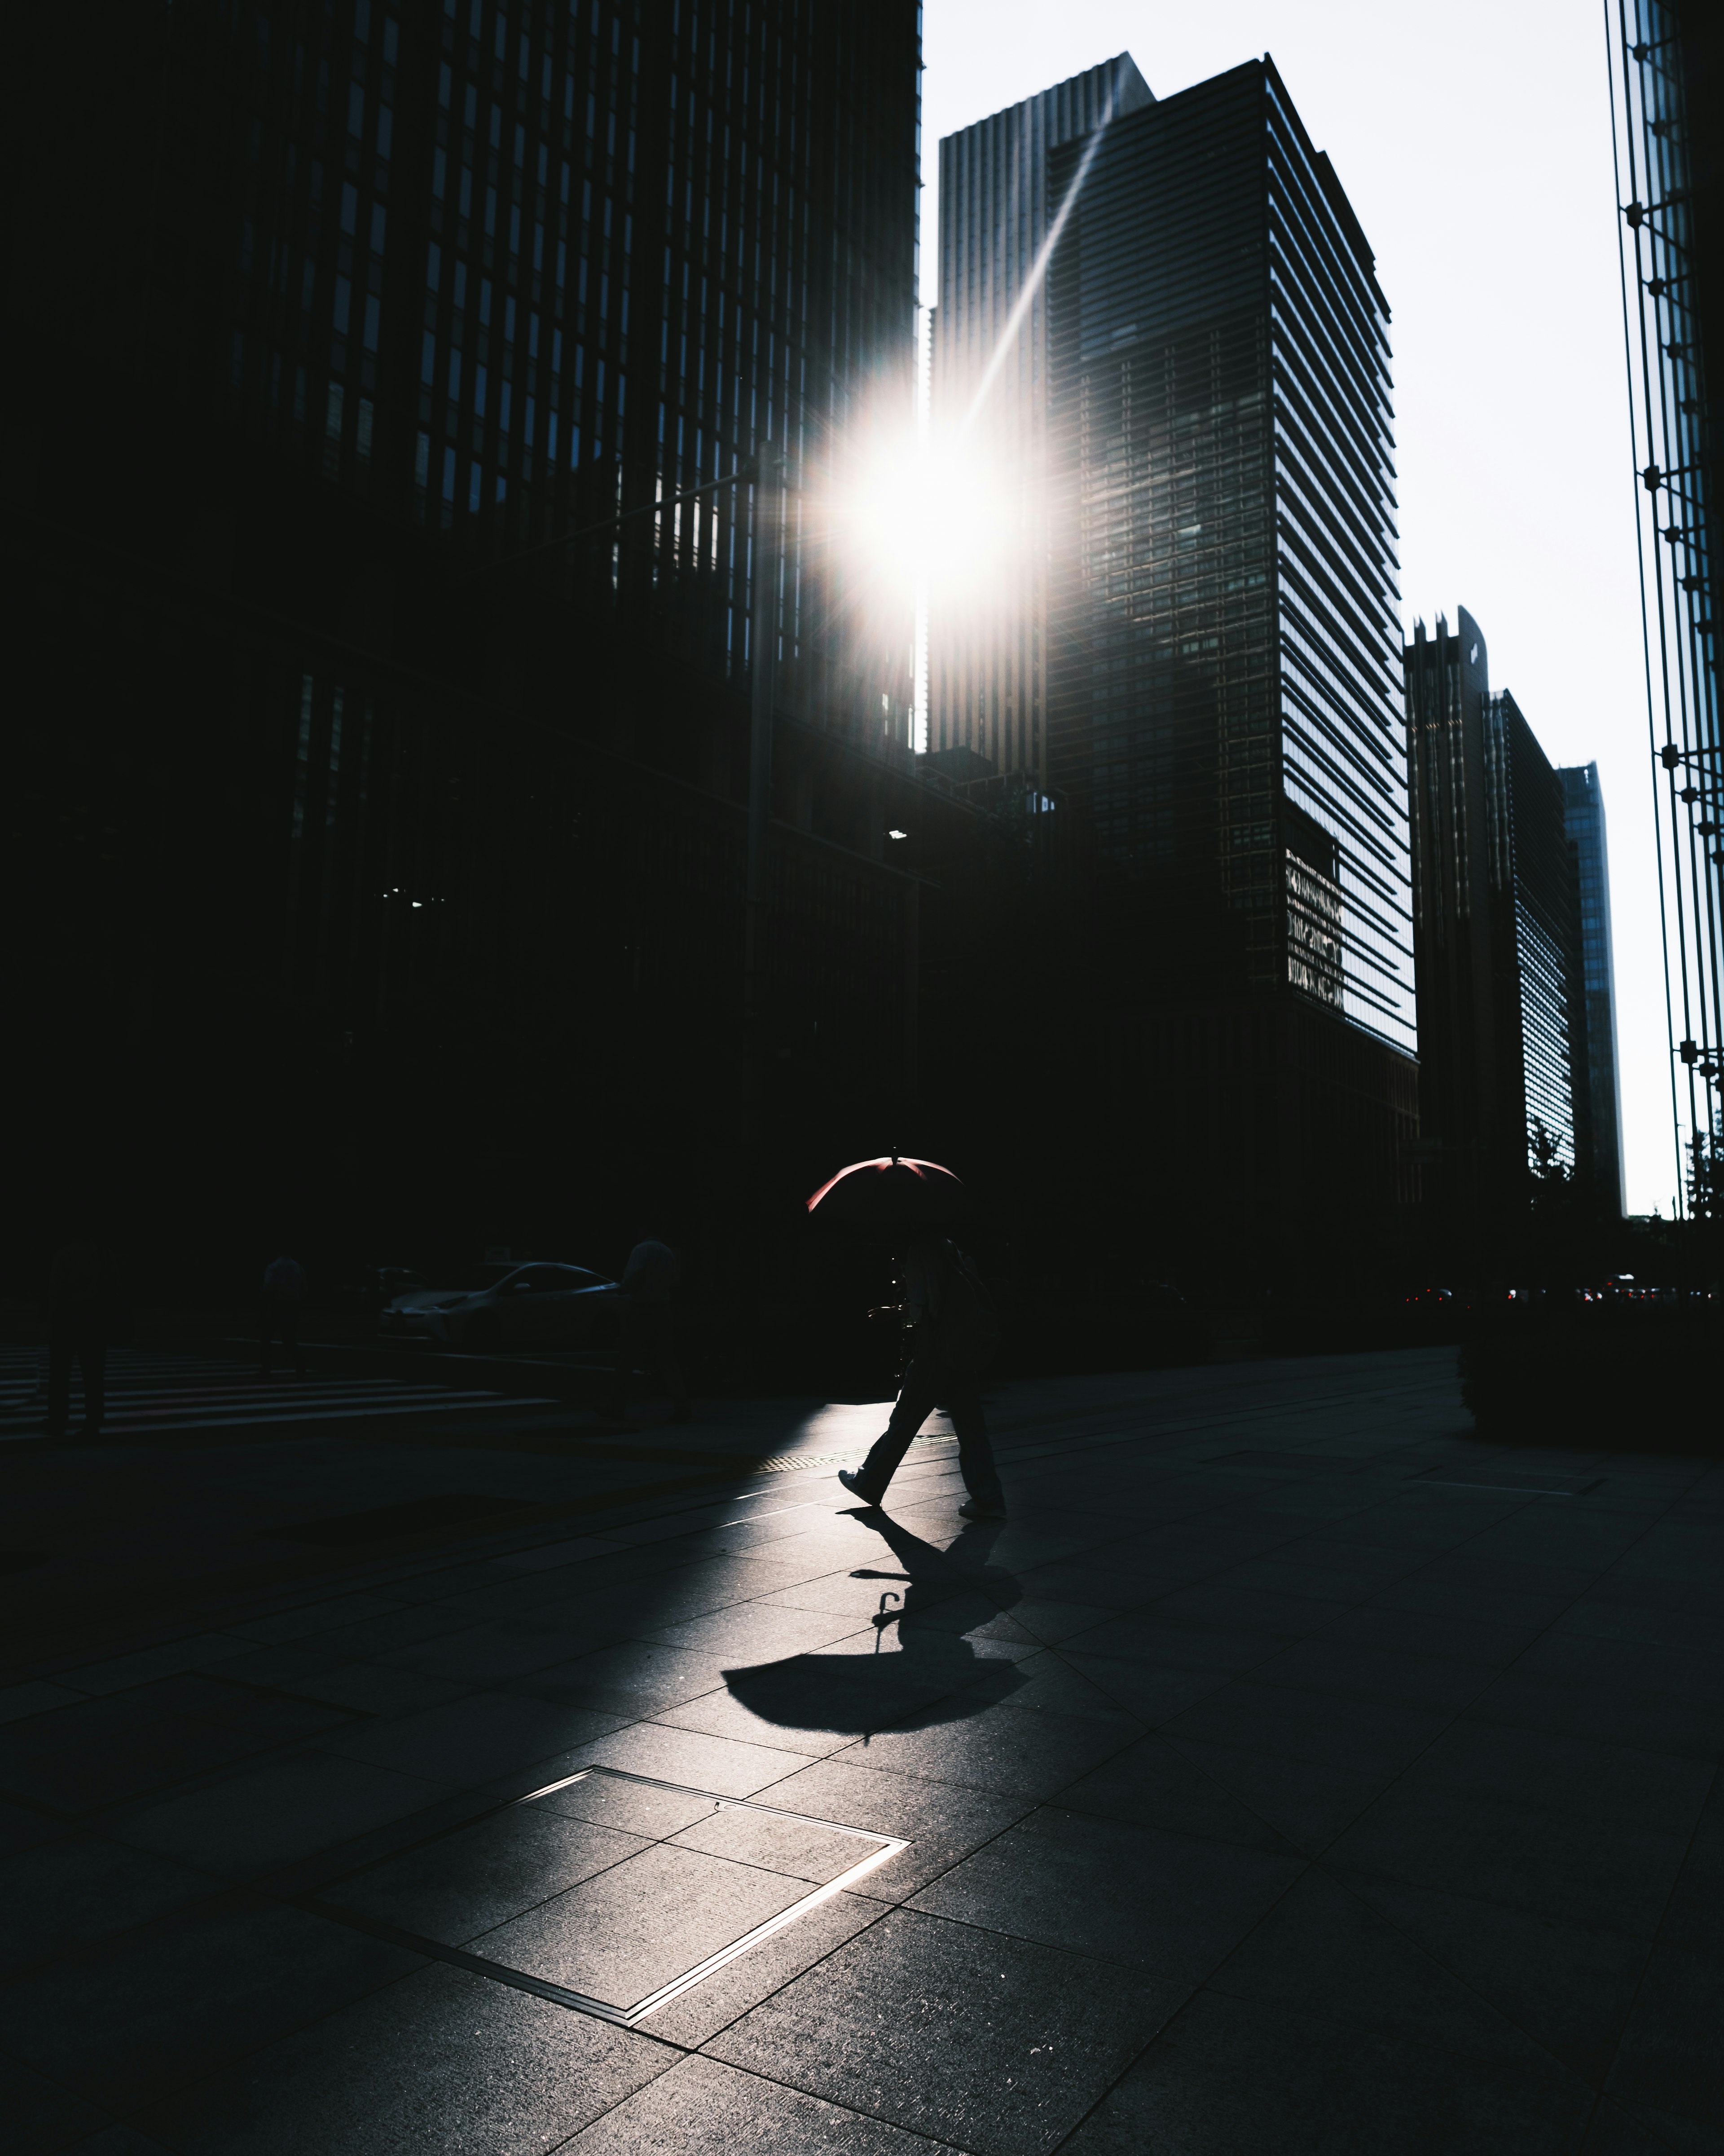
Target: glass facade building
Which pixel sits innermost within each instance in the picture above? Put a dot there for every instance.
(1597, 1094)
(987, 648)
(1224, 681)
(390, 760)
(1501, 999)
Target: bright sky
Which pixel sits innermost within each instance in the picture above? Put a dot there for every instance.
(1473, 139)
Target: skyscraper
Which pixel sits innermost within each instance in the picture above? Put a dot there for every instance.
(402, 740)
(1496, 921)
(1596, 1092)
(1224, 679)
(988, 648)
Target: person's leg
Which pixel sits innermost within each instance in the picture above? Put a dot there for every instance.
(265, 1327)
(975, 1449)
(614, 1401)
(916, 1402)
(290, 1337)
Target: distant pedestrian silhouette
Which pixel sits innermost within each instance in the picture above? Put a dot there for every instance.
(283, 1293)
(648, 1336)
(77, 1329)
(954, 1335)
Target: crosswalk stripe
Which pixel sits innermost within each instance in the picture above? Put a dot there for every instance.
(156, 1394)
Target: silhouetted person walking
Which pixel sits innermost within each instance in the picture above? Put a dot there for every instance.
(954, 1335)
(650, 1281)
(77, 1328)
(284, 1292)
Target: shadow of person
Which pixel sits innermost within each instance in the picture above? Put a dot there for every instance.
(921, 1663)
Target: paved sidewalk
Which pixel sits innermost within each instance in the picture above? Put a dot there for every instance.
(1293, 1772)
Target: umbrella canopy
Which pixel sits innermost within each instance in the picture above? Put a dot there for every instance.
(894, 1193)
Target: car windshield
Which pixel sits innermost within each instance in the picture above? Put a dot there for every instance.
(484, 1276)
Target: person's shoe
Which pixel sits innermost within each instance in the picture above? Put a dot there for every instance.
(853, 1483)
(972, 1508)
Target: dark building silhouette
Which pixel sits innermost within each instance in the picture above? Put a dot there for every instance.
(1496, 920)
(1597, 1100)
(1223, 676)
(375, 845)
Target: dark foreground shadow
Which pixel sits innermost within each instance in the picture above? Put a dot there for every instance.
(928, 1600)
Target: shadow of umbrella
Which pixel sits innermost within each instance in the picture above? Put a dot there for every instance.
(931, 1600)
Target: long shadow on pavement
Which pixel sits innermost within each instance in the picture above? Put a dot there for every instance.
(940, 1596)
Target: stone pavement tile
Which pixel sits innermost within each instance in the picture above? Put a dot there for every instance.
(632, 1678)
(753, 1632)
(275, 1815)
(470, 1881)
(1660, 1666)
(122, 1672)
(80, 1759)
(798, 1848)
(488, 1654)
(1569, 1986)
(854, 1595)
(721, 1713)
(696, 2015)
(1232, 2077)
(21, 1829)
(1156, 1784)
(41, 2115)
(944, 1824)
(1671, 2054)
(1150, 1694)
(1310, 1801)
(119, 2141)
(994, 2044)
(82, 1888)
(127, 2020)
(627, 1931)
(1149, 1635)
(684, 1756)
(1123, 1584)
(1251, 1609)
(1619, 1714)
(1599, 1616)
(268, 1716)
(1695, 1915)
(1364, 1736)
(388, 1631)
(1424, 1632)
(629, 1807)
(1550, 1770)
(471, 1742)
(1166, 1903)
(700, 2104)
(1032, 1754)
(1051, 1684)
(1281, 1575)
(1620, 2129)
(1320, 1942)
(1377, 1672)
(19, 1701)
(307, 1619)
(369, 1688)
(443, 2061)
(1430, 1833)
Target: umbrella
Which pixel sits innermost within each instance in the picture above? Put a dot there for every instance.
(893, 1192)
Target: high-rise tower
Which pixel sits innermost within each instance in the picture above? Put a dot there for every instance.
(1225, 679)
(987, 648)
(1501, 1006)
(1597, 1091)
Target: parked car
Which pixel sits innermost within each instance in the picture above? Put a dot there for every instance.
(375, 1287)
(512, 1306)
